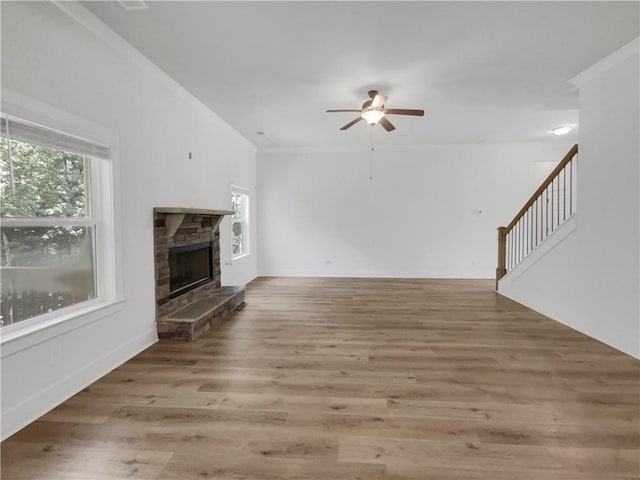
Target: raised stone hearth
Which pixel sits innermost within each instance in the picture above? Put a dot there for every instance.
(191, 321)
(187, 314)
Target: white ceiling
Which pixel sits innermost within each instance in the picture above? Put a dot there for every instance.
(482, 71)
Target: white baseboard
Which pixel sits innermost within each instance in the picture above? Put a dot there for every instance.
(377, 274)
(37, 405)
(550, 243)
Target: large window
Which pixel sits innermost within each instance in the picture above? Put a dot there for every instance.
(239, 224)
(49, 221)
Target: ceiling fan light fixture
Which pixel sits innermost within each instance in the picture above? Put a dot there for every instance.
(374, 112)
(372, 115)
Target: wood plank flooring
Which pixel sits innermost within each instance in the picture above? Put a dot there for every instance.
(342, 379)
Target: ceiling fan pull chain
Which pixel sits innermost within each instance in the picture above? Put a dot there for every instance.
(371, 155)
(371, 166)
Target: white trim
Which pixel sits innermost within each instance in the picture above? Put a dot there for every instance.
(611, 60)
(47, 221)
(37, 134)
(554, 239)
(245, 221)
(337, 149)
(288, 272)
(88, 20)
(239, 189)
(105, 216)
(402, 148)
(37, 405)
(21, 106)
(28, 333)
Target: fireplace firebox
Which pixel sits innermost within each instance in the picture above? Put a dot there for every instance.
(190, 266)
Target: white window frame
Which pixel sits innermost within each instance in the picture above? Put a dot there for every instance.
(237, 190)
(103, 212)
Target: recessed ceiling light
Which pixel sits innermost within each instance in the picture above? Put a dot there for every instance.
(562, 130)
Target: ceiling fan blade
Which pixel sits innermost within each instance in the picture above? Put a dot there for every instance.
(388, 126)
(378, 101)
(344, 110)
(404, 111)
(351, 123)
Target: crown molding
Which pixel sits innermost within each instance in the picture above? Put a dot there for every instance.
(630, 49)
(101, 30)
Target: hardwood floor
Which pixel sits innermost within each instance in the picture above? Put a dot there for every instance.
(353, 379)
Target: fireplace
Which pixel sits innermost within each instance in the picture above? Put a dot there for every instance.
(189, 267)
(190, 297)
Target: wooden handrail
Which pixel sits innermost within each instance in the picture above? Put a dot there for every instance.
(523, 244)
(563, 163)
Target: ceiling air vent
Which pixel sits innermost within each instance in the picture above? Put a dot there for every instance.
(133, 4)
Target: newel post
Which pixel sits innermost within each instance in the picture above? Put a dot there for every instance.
(501, 271)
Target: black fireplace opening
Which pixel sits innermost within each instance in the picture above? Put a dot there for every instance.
(189, 267)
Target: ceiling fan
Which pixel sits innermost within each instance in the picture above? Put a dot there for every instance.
(373, 112)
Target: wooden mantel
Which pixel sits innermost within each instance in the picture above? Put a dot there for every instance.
(192, 211)
(175, 216)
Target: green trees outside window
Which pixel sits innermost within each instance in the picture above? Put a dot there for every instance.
(47, 232)
(239, 224)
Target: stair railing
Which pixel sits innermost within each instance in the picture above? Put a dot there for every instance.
(548, 208)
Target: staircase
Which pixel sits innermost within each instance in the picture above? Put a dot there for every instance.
(552, 204)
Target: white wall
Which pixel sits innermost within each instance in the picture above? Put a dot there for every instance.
(590, 280)
(320, 214)
(51, 62)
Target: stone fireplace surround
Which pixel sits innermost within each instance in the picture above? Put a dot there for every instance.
(189, 315)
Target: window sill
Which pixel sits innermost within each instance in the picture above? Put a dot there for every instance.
(20, 336)
(240, 257)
